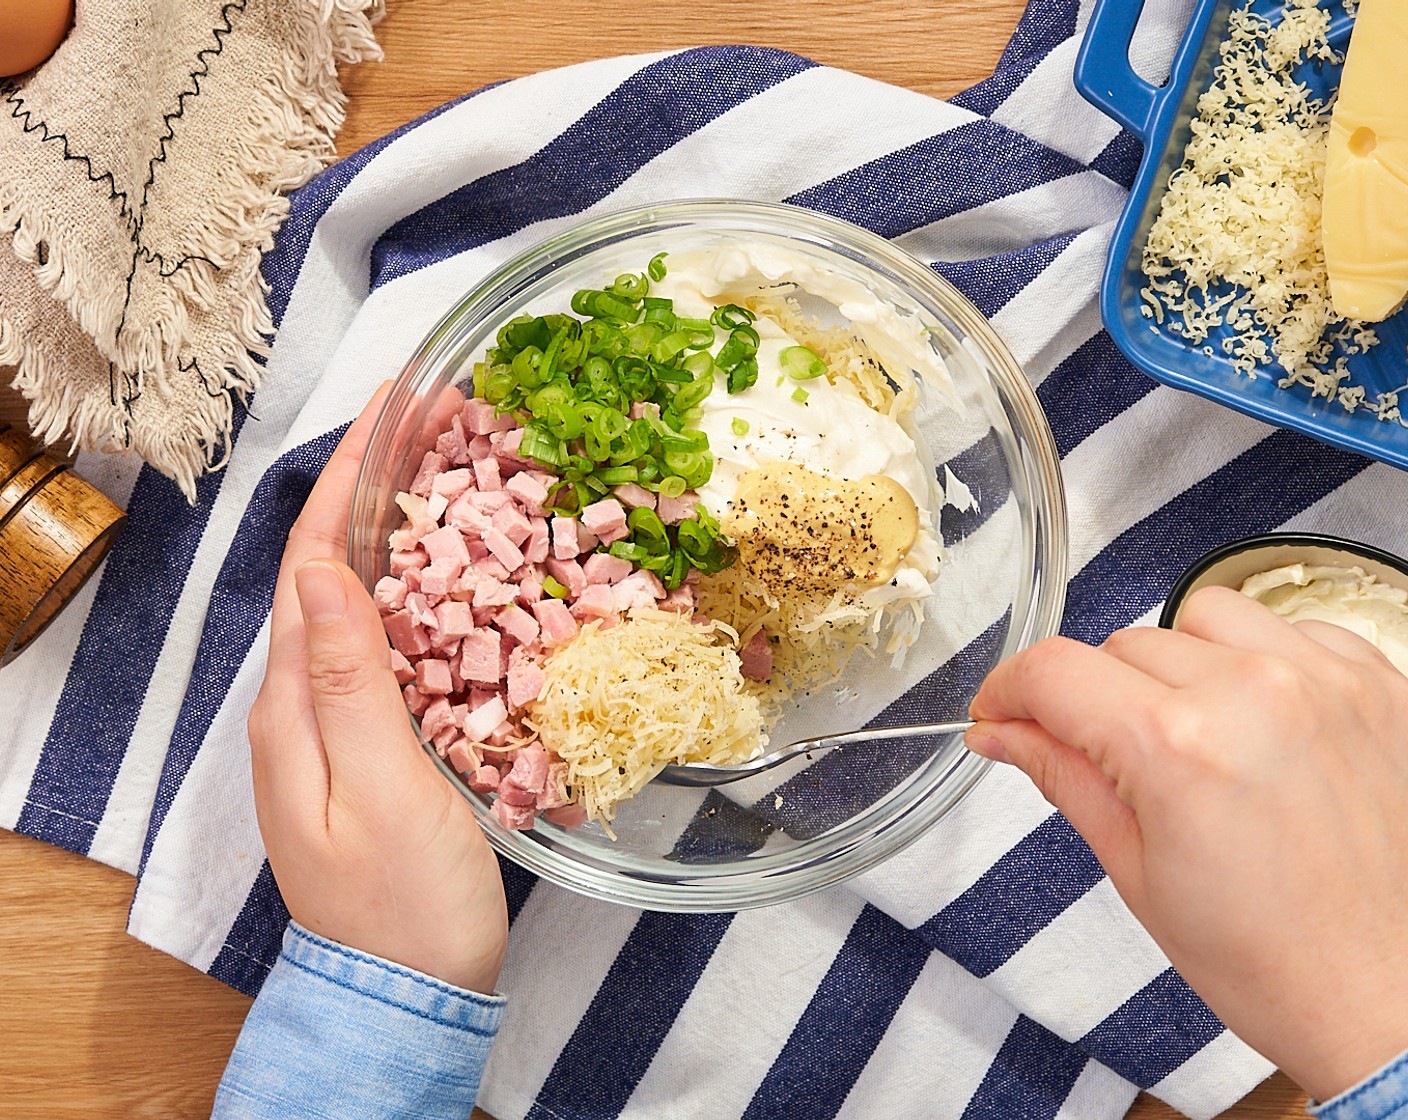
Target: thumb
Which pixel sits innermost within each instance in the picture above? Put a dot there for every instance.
(361, 714)
(1069, 780)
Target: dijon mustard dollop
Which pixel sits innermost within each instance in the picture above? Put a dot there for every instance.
(817, 533)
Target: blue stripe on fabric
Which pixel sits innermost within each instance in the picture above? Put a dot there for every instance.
(950, 173)
(308, 204)
(843, 1023)
(1044, 26)
(987, 96)
(615, 1041)
(518, 884)
(253, 943)
(987, 473)
(114, 660)
(648, 113)
(1088, 390)
(721, 830)
(990, 282)
(1254, 493)
(1153, 1032)
(1015, 899)
(239, 603)
(1119, 159)
(1030, 1078)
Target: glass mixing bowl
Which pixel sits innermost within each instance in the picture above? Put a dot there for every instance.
(819, 819)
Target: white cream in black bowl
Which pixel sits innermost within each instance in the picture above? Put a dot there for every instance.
(1310, 576)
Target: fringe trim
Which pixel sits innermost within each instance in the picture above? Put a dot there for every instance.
(290, 138)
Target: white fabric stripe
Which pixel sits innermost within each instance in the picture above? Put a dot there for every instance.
(950, 857)
(1098, 1091)
(210, 843)
(1052, 300)
(744, 991)
(547, 1002)
(1016, 221)
(1062, 977)
(1222, 1071)
(1047, 107)
(908, 1067)
(1103, 504)
(29, 692)
(1357, 510)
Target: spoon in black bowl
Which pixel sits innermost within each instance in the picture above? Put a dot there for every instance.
(704, 774)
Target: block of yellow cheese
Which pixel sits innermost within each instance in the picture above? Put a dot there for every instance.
(1365, 221)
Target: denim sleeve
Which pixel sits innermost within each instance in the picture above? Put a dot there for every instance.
(337, 1033)
(1382, 1096)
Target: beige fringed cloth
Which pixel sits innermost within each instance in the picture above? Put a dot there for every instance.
(143, 169)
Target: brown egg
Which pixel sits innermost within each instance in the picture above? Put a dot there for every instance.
(30, 31)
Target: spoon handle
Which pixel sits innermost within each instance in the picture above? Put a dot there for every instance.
(703, 774)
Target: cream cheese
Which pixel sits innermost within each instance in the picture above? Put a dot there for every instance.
(1348, 597)
(831, 430)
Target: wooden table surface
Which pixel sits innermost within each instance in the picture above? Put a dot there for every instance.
(94, 1024)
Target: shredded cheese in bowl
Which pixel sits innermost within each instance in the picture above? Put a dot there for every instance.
(622, 703)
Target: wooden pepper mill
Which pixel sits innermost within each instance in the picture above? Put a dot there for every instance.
(54, 531)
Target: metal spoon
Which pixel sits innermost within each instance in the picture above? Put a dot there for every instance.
(703, 774)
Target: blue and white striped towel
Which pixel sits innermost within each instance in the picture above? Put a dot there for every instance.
(987, 972)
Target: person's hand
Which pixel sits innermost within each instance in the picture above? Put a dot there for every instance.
(1244, 782)
(370, 845)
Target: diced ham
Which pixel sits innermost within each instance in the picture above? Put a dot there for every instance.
(453, 444)
(639, 589)
(530, 768)
(446, 543)
(537, 548)
(512, 792)
(521, 626)
(451, 484)
(605, 520)
(633, 496)
(569, 574)
(681, 599)
(528, 491)
(432, 464)
(674, 510)
(564, 538)
(516, 817)
(433, 676)
(602, 567)
(419, 608)
(390, 594)
(490, 568)
(494, 593)
(554, 794)
(440, 578)
(756, 657)
(463, 757)
(465, 515)
(438, 716)
(482, 720)
(586, 540)
(556, 622)
(485, 779)
(513, 523)
(503, 549)
(529, 591)
(479, 657)
(405, 672)
(486, 473)
(525, 683)
(454, 620)
(481, 417)
(596, 601)
(403, 539)
(416, 701)
(642, 409)
(403, 561)
(566, 816)
(406, 634)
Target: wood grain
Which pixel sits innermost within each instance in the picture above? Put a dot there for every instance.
(96, 1025)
